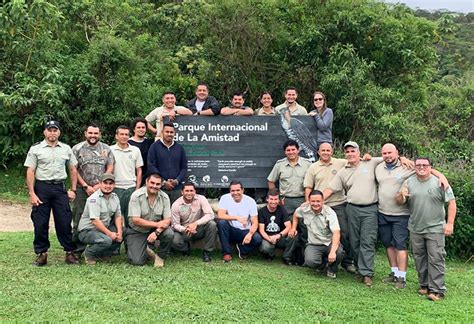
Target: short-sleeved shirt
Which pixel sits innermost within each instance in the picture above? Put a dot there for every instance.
(92, 160)
(357, 182)
(320, 174)
(157, 115)
(49, 161)
(126, 162)
(390, 181)
(321, 226)
(273, 222)
(140, 207)
(101, 208)
(299, 111)
(247, 207)
(290, 177)
(183, 214)
(261, 112)
(426, 203)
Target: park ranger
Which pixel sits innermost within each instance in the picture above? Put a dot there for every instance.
(150, 220)
(94, 158)
(45, 178)
(100, 226)
(290, 172)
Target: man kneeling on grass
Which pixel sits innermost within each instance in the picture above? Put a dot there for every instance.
(100, 226)
(150, 220)
(274, 225)
(323, 251)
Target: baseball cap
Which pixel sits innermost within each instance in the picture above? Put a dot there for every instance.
(52, 124)
(351, 144)
(107, 176)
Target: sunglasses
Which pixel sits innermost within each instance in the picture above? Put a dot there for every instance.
(318, 99)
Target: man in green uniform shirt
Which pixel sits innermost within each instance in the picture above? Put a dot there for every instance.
(100, 227)
(428, 227)
(150, 220)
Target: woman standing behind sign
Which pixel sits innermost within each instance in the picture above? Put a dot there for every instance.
(323, 117)
(267, 109)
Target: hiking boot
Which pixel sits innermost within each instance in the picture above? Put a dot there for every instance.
(206, 256)
(71, 258)
(423, 291)
(368, 281)
(90, 260)
(106, 259)
(227, 258)
(331, 275)
(400, 283)
(351, 269)
(150, 253)
(435, 296)
(358, 277)
(159, 262)
(390, 278)
(41, 260)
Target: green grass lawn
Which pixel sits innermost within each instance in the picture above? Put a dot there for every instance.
(188, 289)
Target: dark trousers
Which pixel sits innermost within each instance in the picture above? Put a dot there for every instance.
(77, 210)
(54, 197)
(98, 243)
(229, 235)
(124, 198)
(137, 243)
(316, 257)
(340, 211)
(208, 232)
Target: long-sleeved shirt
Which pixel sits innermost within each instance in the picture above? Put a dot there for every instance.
(324, 126)
(183, 214)
(169, 162)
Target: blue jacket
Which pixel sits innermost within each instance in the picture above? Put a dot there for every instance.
(170, 163)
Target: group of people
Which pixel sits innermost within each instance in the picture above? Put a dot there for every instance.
(322, 215)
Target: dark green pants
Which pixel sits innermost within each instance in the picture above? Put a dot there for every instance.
(77, 210)
(208, 232)
(340, 211)
(285, 243)
(316, 257)
(98, 244)
(363, 227)
(124, 197)
(137, 244)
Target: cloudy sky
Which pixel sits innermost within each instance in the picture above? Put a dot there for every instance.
(464, 6)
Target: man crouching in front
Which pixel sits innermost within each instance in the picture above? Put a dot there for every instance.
(149, 234)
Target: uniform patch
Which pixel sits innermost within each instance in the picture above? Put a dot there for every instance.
(93, 201)
(334, 171)
(104, 153)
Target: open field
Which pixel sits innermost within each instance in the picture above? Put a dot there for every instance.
(188, 289)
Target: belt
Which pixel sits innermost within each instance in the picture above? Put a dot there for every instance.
(363, 205)
(52, 182)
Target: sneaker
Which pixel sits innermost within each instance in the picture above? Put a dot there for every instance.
(435, 296)
(241, 255)
(400, 283)
(423, 291)
(227, 258)
(90, 260)
(206, 256)
(159, 262)
(71, 258)
(390, 278)
(368, 281)
(331, 275)
(106, 259)
(351, 269)
(41, 260)
(150, 253)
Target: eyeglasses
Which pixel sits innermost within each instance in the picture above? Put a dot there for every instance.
(420, 166)
(318, 99)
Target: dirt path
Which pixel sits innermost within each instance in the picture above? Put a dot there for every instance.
(15, 217)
